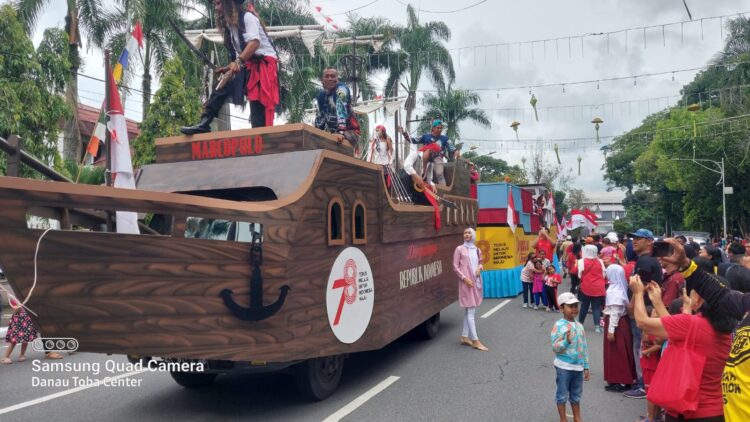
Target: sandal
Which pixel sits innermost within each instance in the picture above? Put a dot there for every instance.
(22, 358)
(479, 346)
(465, 341)
(6, 361)
(53, 355)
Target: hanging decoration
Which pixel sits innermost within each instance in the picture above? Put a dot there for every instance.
(533, 102)
(693, 108)
(579, 164)
(515, 125)
(326, 18)
(557, 154)
(597, 121)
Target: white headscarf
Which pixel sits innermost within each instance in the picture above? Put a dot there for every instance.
(471, 243)
(617, 292)
(590, 252)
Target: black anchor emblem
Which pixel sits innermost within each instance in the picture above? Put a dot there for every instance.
(256, 311)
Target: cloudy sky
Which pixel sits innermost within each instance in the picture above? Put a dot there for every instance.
(518, 63)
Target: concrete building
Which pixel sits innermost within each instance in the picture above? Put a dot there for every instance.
(607, 206)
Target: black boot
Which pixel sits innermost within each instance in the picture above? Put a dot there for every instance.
(203, 127)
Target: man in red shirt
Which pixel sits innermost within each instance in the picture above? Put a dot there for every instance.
(544, 243)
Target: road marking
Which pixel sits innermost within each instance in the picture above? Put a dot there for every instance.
(62, 393)
(359, 401)
(495, 309)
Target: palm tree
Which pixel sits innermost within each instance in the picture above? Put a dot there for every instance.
(158, 35)
(96, 24)
(422, 50)
(453, 106)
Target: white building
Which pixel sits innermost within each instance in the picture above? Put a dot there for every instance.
(607, 206)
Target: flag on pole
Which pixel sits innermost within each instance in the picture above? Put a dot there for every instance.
(122, 166)
(583, 218)
(135, 41)
(512, 223)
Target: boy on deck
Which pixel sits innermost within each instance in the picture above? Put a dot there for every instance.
(571, 357)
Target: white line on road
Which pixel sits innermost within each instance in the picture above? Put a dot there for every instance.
(495, 309)
(62, 393)
(359, 401)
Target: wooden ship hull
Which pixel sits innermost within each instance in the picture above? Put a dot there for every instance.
(165, 295)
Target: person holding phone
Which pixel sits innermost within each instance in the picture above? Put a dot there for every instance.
(735, 381)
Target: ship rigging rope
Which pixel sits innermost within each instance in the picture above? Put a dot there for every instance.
(33, 285)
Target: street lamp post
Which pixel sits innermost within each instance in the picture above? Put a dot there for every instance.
(720, 172)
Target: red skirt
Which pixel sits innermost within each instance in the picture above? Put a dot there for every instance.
(619, 362)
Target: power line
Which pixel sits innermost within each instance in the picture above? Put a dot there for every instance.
(356, 8)
(444, 11)
(600, 34)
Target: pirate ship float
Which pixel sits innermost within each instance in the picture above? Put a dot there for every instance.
(272, 246)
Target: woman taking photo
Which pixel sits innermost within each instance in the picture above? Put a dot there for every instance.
(712, 330)
(467, 264)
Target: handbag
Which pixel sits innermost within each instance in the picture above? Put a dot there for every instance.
(676, 382)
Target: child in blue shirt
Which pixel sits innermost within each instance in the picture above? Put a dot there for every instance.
(571, 357)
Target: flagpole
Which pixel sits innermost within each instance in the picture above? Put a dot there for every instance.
(107, 137)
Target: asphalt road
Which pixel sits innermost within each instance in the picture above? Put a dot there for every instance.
(438, 380)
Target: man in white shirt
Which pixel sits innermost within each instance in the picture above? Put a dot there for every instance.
(253, 62)
(416, 172)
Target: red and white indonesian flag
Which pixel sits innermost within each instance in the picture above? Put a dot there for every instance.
(122, 166)
(511, 217)
(583, 218)
(562, 229)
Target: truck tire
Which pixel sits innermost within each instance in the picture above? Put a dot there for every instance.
(318, 378)
(193, 379)
(429, 329)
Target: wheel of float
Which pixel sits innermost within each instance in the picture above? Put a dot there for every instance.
(429, 329)
(143, 360)
(318, 378)
(193, 379)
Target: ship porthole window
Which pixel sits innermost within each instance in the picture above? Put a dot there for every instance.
(359, 223)
(336, 222)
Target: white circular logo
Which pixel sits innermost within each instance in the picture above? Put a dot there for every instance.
(350, 295)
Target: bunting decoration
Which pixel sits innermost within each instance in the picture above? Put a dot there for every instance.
(326, 18)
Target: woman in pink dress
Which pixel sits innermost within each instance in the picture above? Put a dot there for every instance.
(467, 264)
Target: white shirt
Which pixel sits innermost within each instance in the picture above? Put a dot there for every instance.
(415, 159)
(379, 152)
(254, 31)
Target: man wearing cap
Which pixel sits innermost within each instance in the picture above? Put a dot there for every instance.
(446, 148)
(253, 62)
(647, 267)
(335, 112)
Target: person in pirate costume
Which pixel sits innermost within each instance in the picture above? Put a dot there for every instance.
(335, 112)
(417, 175)
(447, 149)
(253, 62)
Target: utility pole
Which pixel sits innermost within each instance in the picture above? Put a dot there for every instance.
(396, 125)
(724, 188)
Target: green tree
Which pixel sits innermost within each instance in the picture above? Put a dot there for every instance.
(423, 51)
(158, 35)
(494, 169)
(453, 106)
(174, 106)
(32, 84)
(96, 23)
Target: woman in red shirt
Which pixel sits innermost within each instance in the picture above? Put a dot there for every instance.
(712, 340)
(592, 291)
